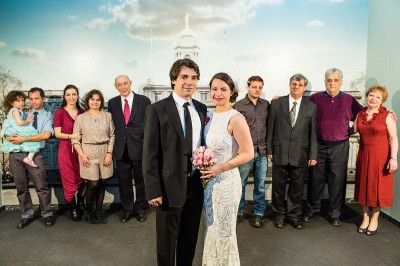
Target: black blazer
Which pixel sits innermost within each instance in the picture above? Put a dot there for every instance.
(297, 145)
(132, 133)
(164, 152)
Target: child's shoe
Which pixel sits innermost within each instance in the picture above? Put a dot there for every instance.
(30, 162)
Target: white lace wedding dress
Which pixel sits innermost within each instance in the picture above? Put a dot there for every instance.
(222, 196)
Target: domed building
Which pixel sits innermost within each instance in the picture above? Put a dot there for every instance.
(186, 46)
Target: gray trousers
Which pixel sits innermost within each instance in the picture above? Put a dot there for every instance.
(20, 172)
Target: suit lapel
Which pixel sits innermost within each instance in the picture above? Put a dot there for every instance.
(285, 108)
(172, 112)
(135, 108)
(121, 109)
(302, 110)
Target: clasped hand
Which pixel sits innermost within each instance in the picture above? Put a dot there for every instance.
(211, 173)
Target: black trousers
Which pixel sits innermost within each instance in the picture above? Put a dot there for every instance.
(297, 176)
(126, 170)
(331, 166)
(178, 228)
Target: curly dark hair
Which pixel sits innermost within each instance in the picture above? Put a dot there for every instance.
(10, 98)
(228, 80)
(90, 95)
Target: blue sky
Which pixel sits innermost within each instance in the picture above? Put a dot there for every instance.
(87, 43)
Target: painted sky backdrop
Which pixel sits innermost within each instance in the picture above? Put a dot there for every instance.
(51, 43)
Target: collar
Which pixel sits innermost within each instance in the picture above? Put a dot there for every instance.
(291, 100)
(247, 100)
(39, 111)
(180, 101)
(326, 94)
(129, 97)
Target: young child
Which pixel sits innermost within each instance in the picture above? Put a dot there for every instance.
(15, 124)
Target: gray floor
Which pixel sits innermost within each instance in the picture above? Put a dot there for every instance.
(134, 243)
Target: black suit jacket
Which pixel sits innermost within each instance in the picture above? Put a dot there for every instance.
(132, 133)
(297, 145)
(164, 152)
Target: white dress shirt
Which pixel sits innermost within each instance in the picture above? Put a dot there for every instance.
(194, 116)
(291, 101)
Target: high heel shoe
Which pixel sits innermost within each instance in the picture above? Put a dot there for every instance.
(361, 230)
(372, 233)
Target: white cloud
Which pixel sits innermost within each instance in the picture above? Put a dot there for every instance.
(28, 53)
(2, 44)
(100, 23)
(166, 18)
(315, 23)
(131, 64)
(71, 17)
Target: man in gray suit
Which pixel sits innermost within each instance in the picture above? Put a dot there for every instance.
(292, 147)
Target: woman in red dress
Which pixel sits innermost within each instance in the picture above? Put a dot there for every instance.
(68, 164)
(377, 158)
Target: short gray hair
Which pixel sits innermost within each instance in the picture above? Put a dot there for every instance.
(333, 71)
(299, 77)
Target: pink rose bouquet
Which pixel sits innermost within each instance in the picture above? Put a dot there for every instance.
(203, 159)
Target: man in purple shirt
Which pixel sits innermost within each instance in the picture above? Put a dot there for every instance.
(335, 109)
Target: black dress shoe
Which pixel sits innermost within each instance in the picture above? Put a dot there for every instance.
(279, 222)
(75, 216)
(24, 223)
(48, 221)
(126, 217)
(336, 222)
(258, 221)
(141, 217)
(297, 225)
(101, 219)
(309, 217)
(91, 218)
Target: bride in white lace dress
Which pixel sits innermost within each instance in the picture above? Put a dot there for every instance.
(229, 137)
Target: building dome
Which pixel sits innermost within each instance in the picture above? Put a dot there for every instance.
(186, 46)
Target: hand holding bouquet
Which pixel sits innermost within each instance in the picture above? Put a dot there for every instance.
(204, 159)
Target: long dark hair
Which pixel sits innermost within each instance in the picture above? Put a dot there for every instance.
(64, 102)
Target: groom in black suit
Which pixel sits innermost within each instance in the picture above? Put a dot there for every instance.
(173, 130)
(127, 111)
(292, 147)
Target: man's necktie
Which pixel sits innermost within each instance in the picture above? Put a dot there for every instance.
(293, 114)
(188, 135)
(127, 112)
(34, 124)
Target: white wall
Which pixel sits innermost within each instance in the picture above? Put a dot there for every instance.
(383, 65)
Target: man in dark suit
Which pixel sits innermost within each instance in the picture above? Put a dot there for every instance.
(127, 111)
(173, 130)
(292, 146)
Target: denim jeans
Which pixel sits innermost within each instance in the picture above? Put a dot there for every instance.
(260, 170)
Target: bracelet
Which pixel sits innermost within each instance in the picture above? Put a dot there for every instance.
(109, 152)
(68, 136)
(393, 158)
